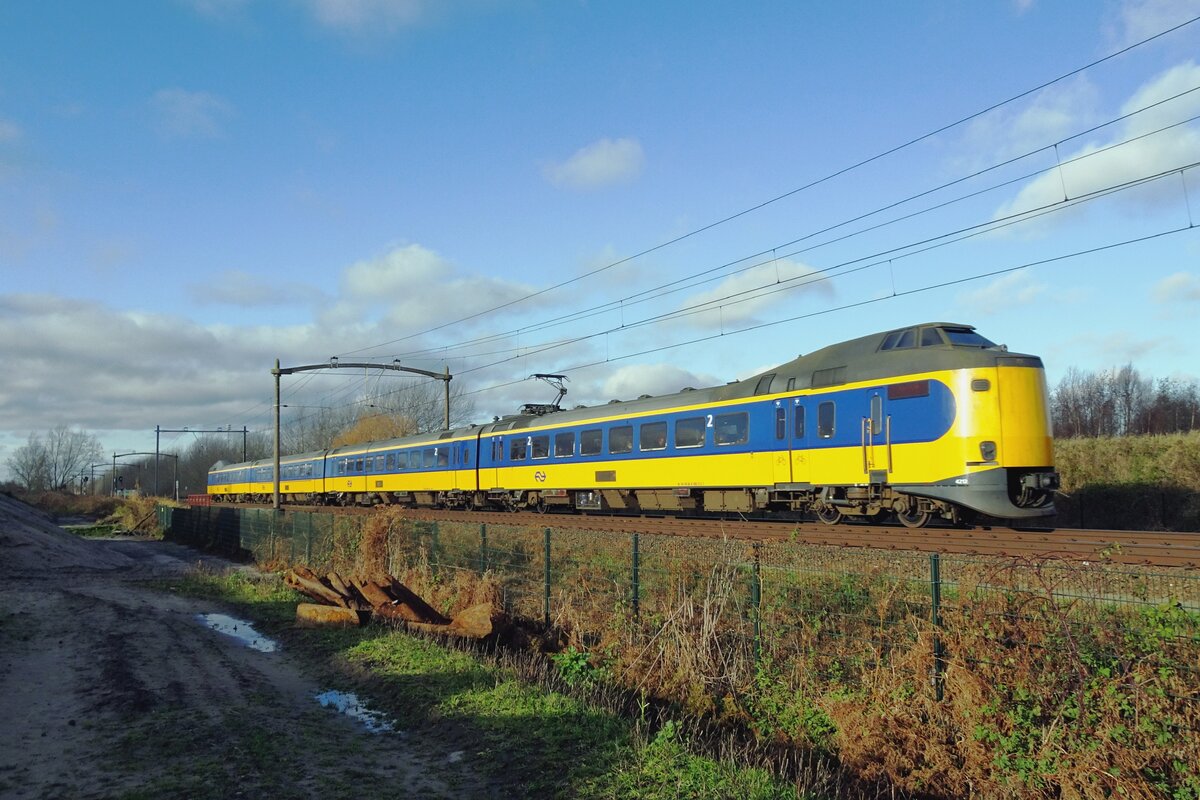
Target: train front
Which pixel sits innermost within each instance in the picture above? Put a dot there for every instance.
(1005, 433)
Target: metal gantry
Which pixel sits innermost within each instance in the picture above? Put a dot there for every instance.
(333, 363)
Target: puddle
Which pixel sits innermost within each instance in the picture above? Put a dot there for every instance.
(348, 703)
(239, 629)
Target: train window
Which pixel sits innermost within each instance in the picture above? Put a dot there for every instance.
(539, 446)
(590, 442)
(890, 340)
(731, 428)
(564, 445)
(358, 465)
(829, 377)
(902, 391)
(466, 455)
(428, 459)
(764, 384)
(876, 414)
(442, 455)
(516, 448)
(391, 461)
(798, 422)
(791, 384)
(379, 463)
(826, 414)
(620, 439)
(653, 436)
(497, 450)
(965, 337)
(930, 337)
(780, 422)
(907, 339)
(689, 432)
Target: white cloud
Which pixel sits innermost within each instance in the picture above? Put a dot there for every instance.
(1091, 170)
(1140, 19)
(634, 380)
(746, 297)
(1007, 291)
(1182, 287)
(186, 114)
(411, 288)
(1054, 113)
(603, 163)
(366, 16)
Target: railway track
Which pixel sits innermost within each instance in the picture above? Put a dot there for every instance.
(1141, 548)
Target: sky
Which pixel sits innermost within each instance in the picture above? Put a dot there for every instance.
(643, 196)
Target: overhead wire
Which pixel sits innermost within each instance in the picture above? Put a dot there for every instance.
(811, 184)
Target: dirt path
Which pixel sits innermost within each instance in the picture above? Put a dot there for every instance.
(112, 688)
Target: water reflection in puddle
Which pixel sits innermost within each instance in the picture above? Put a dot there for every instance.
(348, 703)
(239, 629)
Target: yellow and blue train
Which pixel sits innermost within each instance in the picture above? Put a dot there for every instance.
(929, 421)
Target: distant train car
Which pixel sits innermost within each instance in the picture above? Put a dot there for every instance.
(928, 421)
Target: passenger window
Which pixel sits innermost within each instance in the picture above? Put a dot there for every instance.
(876, 414)
(427, 458)
(780, 422)
(391, 460)
(930, 337)
(798, 422)
(358, 467)
(516, 448)
(653, 436)
(620, 440)
(466, 455)
(539, 446)
(497, 450)
(564, 445)
(825, 420)
(442, 455)
(731, 428)
(764, 384)
(590, 441)
(379, 463)
(907, 339)
(689, 432)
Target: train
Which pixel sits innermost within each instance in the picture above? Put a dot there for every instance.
(928, 422)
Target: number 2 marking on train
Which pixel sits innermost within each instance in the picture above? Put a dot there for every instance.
(709, 425)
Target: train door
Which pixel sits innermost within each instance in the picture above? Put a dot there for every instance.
(876, 437)
(798, 434)
(782, 464)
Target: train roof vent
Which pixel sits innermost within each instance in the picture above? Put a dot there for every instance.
(613, 402)
(446, 435)
(645, 396)
(687, 389)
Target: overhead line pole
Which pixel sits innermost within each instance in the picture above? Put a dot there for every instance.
(443, 376)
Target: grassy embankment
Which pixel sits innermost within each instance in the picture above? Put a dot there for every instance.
(513, 716)
(1130, 482)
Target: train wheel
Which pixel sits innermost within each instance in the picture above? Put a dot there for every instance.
(829, 515)
(913, 518)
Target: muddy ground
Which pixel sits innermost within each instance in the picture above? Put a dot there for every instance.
(110, 687)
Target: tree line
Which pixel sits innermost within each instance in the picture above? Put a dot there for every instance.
(66, 459)
(1122, 402)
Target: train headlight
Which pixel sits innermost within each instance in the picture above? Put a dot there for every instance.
(987, 450)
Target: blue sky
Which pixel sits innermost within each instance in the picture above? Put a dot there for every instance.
(191, 189)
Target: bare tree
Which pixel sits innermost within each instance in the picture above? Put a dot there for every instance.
(69, 452)
(30, 464)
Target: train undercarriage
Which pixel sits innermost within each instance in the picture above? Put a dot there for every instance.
(1020, 495)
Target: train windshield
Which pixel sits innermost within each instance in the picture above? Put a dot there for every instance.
(965, 337)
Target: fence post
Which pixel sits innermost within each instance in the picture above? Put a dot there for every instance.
(756, 599)
(636, 565)
(434, 554)
(483, 548)
(546, 592)
(935, 616)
